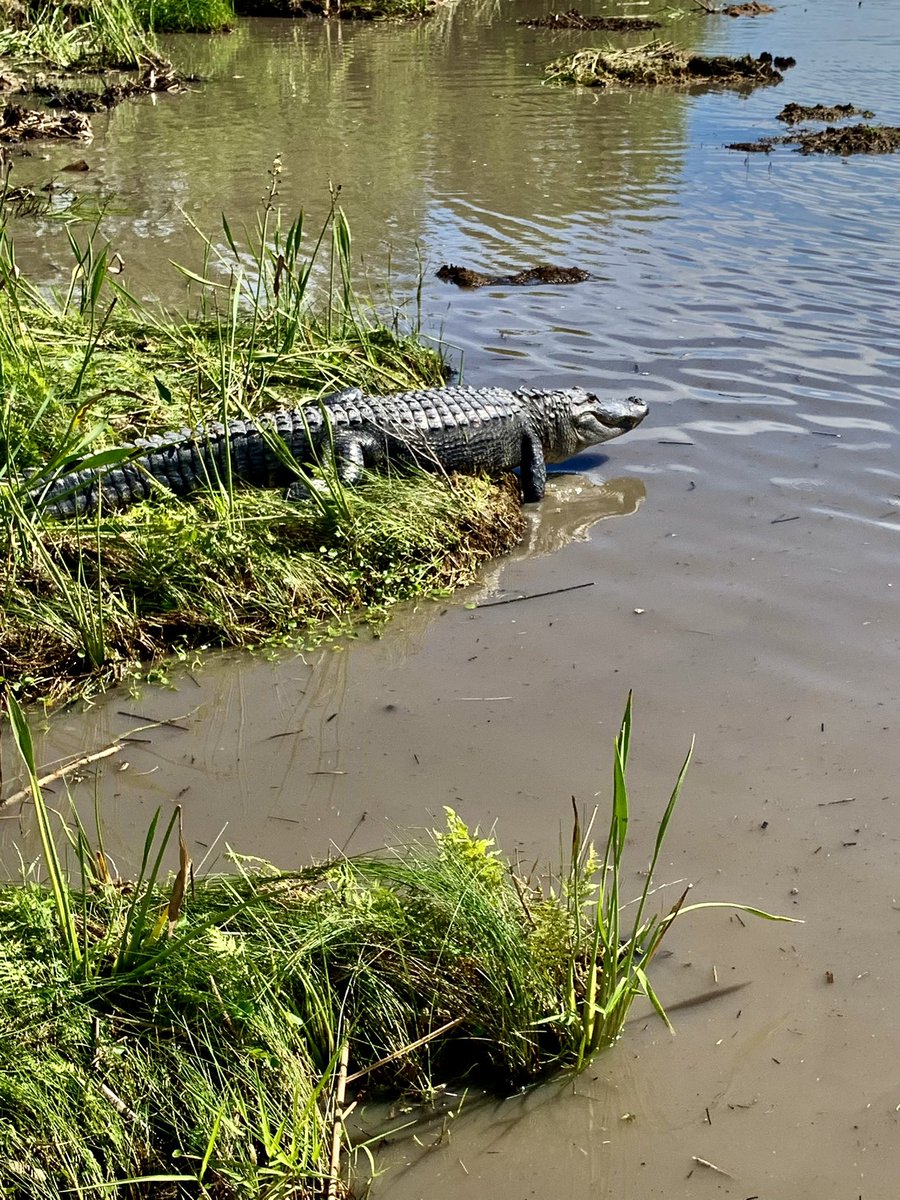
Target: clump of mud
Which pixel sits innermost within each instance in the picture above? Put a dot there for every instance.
(841, 140)
(753, 9)
(156, 77)
(851, 139)
(793, 114)
(18, 124)
(573, 19)
(545, 273)
(664, 63)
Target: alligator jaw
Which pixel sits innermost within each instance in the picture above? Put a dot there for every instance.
(594, 420)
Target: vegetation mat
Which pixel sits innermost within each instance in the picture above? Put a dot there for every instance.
(842, 141)
(793, 114)
(573, 19)
(206, 1036)
(657, 63)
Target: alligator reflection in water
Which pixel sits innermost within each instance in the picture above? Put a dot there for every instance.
(571, 509)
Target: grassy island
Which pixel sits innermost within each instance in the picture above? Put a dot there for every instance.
(86, 603)
(207, 1036)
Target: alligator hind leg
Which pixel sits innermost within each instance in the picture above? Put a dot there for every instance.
(533, 469)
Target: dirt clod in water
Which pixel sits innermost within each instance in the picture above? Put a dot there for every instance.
(746, 10)
(156, 77)
(545, 273)
(762, 146)
(664, 63)
(840, 140)
(793, 114)
(753, 9)
(851, 139)
(18, 124)
(573, 19)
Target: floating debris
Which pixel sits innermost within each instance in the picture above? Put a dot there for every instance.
(664, 63)
(843, 141)
(157, 76)
(18, 124)
(762, 146)
(793, 114)
(545, 273)
(753, 9)
(851, 139)
(573, 19)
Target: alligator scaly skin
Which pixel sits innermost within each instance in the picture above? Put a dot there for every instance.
(448, 429)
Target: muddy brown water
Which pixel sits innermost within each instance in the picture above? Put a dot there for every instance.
(741, 547)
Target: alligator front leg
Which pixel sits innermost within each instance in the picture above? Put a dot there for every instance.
(533, 469)
(349, 454)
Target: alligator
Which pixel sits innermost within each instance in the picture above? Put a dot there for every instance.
(447, 429)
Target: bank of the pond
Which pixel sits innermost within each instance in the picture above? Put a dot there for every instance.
(205, 1036)
(83, 604)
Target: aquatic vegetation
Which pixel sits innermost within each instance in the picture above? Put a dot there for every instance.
(90, 33)
(363, 10)
(84, 604)
(573, 19)
(201, 1032)
(657, 63)
(184, 16)
(841, 140)
(793, 114)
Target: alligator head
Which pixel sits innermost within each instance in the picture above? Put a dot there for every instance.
(580, 419)
(597, 420)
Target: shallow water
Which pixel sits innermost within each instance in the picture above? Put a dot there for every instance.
(741, 548)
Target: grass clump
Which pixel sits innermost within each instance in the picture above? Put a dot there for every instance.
(184, 16)
(85, 603)
(84, 34)
(196, 1036)
(656, 63)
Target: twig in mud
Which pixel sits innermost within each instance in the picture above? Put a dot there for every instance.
(703, 1162)
(535, 595)
(352, 834)
(154, 721)
(337, 1128)
(383, 1062)
(85, 759)
(64, 770)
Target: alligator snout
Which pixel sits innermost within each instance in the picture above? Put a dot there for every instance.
(634, 413)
